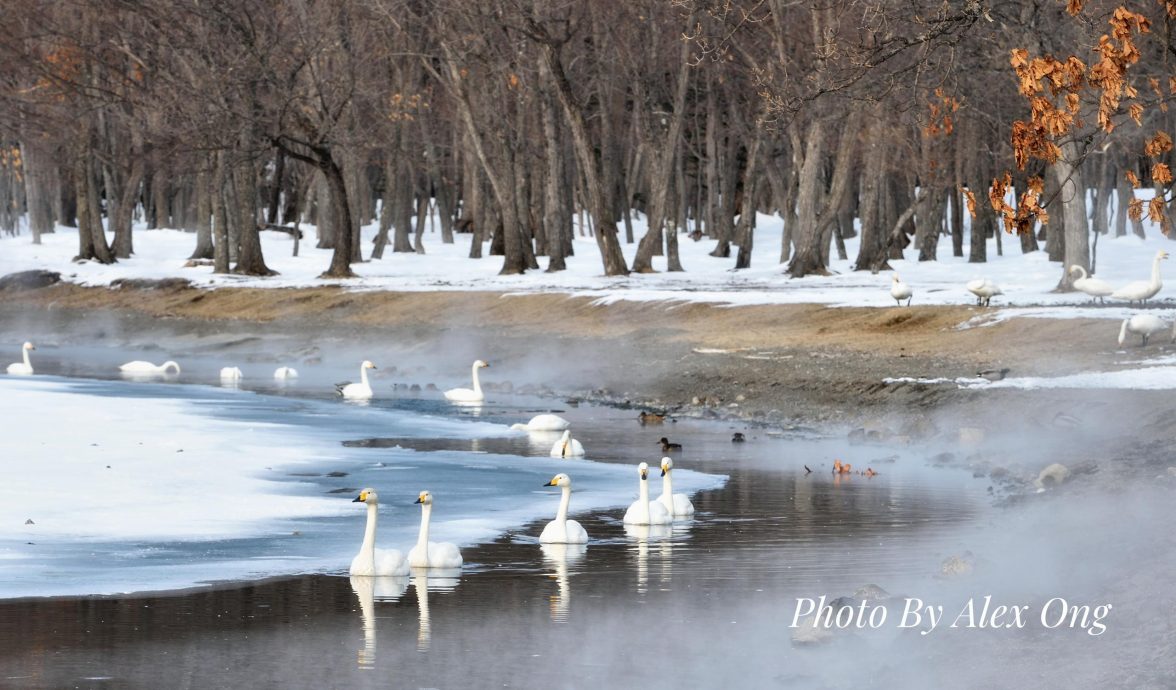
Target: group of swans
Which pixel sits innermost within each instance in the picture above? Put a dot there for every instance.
(566, 446)
(663, 511)
(426, 554)
(1137, 291)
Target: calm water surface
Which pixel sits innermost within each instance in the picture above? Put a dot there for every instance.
(704, 604)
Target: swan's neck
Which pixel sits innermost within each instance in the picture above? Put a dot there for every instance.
(1081, 273)
(1156, 272)
(668, 483)
(561, 515)
(25, 352)
(1123, 331)
(644, 495)
(423, 539)
(363, 376)
(369, 534)
(478, 384)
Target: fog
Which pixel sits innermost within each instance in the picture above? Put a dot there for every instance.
(711, 603)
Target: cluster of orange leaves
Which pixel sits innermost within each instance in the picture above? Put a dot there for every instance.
(1053, 88)
(10, 158)
(1019, 219)
(402, 108)
(940, 122)
(1161, 174)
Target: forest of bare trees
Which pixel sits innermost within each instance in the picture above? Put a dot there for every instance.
(512, 118)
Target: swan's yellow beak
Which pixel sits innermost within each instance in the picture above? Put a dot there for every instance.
(420, 499)
(551, 483)
(361, 498)
(663, 471)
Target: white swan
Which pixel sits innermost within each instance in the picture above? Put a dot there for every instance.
(432, 554)
(466, 394)
(900, 290)
(1144, 325)
(543, 422)
(567, 447)
(140, 367)
(1097, 289)
(642, 511)
(357, 391)
(984, 289)
(677, 504)
(371, 561)
(285, 373)
(23, 368)
(231, 374)
(1143, 290)
(561, 530)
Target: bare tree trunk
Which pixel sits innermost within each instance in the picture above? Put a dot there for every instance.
(1073, 195)
(275, 199)
(554, 200)
(386, 209)
(337, 186)
(249, 257)
(872, 247)
(220, 217)
(745, 233)
(204, 246)
(91, 236)
(36, 182)
(982, 224)
(606, 227)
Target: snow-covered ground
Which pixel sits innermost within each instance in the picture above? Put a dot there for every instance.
(1027, 280)
(112, 486)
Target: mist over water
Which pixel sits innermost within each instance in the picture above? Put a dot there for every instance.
(707, 603)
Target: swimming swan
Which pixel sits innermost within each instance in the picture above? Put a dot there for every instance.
(1097, 289)
(567, 447)
(1144, 325)
(1143, 290)
(677, 504)
(466, 394)
(543, 422)
(231, 374)
(371, 561)
(357, 391)
(900, 290)
(285, 373)
(23, 368)
(642, 512)
(561, 530)
(984, 289)
(432, 554)
(140, 367)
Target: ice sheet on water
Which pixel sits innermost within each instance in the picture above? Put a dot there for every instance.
(166, 486)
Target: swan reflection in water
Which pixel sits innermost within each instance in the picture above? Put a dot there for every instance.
(559, 557)
(643, 535)
(423, 581)
(371, 590)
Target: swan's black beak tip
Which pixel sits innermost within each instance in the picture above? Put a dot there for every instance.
(663, 473)
(416, 501)
(357, 500)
